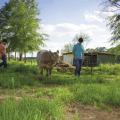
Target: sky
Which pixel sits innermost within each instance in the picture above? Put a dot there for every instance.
(63, 19)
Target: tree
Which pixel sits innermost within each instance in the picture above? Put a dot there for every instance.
(97, 49)
(90, 50)
(115, 50)
(113, 3)
(100, 49)
(85, 37)
(114, 21)
(67, 48)
(20, 26)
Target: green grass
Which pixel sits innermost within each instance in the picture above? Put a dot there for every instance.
(48, 97)
(96, 94)
(30, 109)
(18, 75)
(60, 94)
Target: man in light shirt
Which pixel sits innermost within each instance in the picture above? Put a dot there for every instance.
(3, 55)
(78, 53)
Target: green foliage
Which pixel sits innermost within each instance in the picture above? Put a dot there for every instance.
(67, 48)
(20, 26)
(114, 21)
(115, 50)
(97, 49)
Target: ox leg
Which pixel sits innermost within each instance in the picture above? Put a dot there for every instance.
(48, 72)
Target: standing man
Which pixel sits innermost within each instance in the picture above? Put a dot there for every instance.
(3, 55)
(78, 53)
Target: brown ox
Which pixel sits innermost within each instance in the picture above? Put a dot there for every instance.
(46, 60)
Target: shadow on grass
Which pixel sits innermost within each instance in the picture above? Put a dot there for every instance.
(64, 79)
(58, 80)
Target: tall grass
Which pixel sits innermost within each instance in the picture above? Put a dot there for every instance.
(59, 94)
(109, 69)
(20, 74)
(102, 87)
(30, 109)
(96, 94)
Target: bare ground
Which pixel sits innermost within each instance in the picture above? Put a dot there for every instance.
(91, 113)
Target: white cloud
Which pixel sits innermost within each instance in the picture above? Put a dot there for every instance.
(63, 33)
(97, 16)
(64, 29)
(93, 18)
(103, 14)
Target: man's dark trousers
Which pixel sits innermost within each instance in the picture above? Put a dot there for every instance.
(78, 64)
(4, 61)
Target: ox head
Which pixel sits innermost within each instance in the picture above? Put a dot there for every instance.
(56, 57)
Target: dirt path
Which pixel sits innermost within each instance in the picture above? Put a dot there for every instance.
(84, 112)
(91, 113)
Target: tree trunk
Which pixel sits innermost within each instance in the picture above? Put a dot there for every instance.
(15, 56)
(20, 56)
(9, 56)
(25, 58)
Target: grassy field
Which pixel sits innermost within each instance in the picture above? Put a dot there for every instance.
(25, 96)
